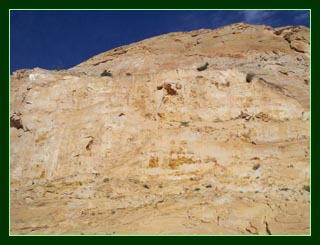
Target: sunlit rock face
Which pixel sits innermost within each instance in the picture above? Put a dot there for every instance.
(202, 132)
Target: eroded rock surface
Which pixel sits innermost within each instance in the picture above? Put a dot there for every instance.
(161, 147)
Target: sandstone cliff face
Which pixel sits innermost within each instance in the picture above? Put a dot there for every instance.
(159, 147)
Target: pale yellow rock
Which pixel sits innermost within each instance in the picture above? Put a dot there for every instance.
(162, 148)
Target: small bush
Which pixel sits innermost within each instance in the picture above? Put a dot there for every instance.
(184, 124)
(249, 77)
(106, 73)
(306, 188)
(202, 68)
(256, 166)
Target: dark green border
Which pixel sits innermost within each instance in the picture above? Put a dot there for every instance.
(5, 5)
(164, 4)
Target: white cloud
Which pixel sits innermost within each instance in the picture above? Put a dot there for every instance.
(257, 16)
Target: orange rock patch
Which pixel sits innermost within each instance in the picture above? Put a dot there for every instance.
(153, 162)
(175, 163)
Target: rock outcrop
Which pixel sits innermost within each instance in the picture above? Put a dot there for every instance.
(202, 132)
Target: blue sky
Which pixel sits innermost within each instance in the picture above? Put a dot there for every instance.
(62, 39)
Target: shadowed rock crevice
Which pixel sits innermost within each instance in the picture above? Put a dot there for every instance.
(16, 122)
